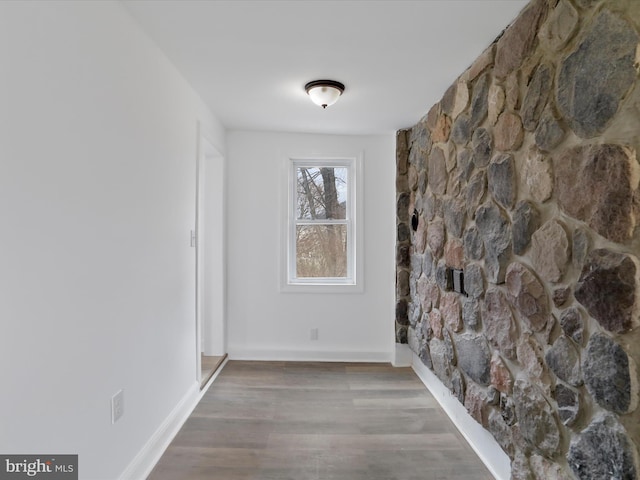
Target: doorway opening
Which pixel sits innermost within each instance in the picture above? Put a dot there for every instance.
(210, 260)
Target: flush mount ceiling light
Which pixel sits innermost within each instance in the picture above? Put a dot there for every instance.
(324, 92)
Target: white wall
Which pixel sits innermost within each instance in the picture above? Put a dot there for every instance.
(266, 323)
(97, 198)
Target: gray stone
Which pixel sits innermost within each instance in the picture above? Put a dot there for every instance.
(441, 366)
(550, 251)
(475, 401)
(508, 132)
(473, 280)
(402, 151)
(519, 40)
(415, 313)
(607, 374)
(422, 182)
(425, 355)
(427, 264)
(442, 279)
(401, 334)
(572, 324)
(607, 288)
(402, 316)
(536, 97)
(448, 99)
(461, 130)
(482, 145)
(528, 296)
(538, 175)
(429, 207)
(435, 237)
(471, 314)
(512, 91)
(595, 184)
(437, 171)
(474, 357)
(413, 339)
(559, 27)
(535, 417)
(580, 247)
(507, 409)
(603, 451)
(464, 161)
(458, 385)
(501, 176)
(500, 431)
(402, 207)
(568, 402)
(430, 297)
(495, 230)
(544, 469)
(420, 138)
(520, 469)
(497, 318)
(563, 360)
(549, 132)
(472, 241)
(403, 232)
(454, 215)
(475, 191)
(526, 220)
(402, 283)
(416, 264)
(403, 255)
(479, 100)
(530, 356)
(448, 343)
(595, 77)
(493, 396)
(561, 295)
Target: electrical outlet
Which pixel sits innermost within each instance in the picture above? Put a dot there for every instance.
(313, 335)
(117, 406)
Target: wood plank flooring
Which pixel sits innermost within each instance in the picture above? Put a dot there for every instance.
(318, 421)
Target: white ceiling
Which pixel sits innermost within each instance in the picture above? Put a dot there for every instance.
(249, 60)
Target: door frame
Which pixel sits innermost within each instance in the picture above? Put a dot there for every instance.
(211, 331)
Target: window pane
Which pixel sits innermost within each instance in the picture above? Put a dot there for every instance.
(321, 251)
(321, 193)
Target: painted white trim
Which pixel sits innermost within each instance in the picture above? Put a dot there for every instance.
(143, 463)
(308, 355)
(403, 356)
(480, 440)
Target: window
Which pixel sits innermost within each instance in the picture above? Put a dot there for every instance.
(321, 236)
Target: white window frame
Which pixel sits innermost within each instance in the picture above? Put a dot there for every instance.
(352, 283)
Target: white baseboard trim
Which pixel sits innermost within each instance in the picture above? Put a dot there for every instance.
(142, 464)
(309, 356)
(481, 441)
(403, 355)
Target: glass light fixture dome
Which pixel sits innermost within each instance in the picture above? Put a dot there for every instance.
(324, 92)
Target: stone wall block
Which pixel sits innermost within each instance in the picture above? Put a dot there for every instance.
(475, 401)
(544, 469)
(580, 247)
(437, 171)
(500, 431)
(441, 131)
(435, 321)
(485, 59)
(550, 251)
(458, 386)
(538, 175)
(528, 296)
(436, 237)
(425, 355)
(526, 220)
(573, 325)
(420, 140)
(549, 133)
(600, 71)
(603, 450)
(454, 253)
(536, 97)
(474, 194)
(530, 356)
(508, 132)
(464, 161)
(535, 417)
(564, 360)
(496, 102)
(439, 358)
(474, 357)
(402, 283)
(519, 40)
(560, 27)
(451, 311)
(471, 314)
(608, 374)
(482, 145)
(512, 91)
(560, 296)
(568, 401)
(474, 280)
(607, 288)
(480, 100)
(473, 244)
(449, 349)
(461, 100)
(501, 177)
(597, 184)
(495, 230)
(461, 130)
(499, 327)
(454, 215)
(402, 152)
(501, 378)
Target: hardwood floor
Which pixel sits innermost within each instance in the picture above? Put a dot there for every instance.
(318, 421)
(208, 366)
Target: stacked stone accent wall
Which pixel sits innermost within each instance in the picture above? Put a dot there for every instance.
(526, 176)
